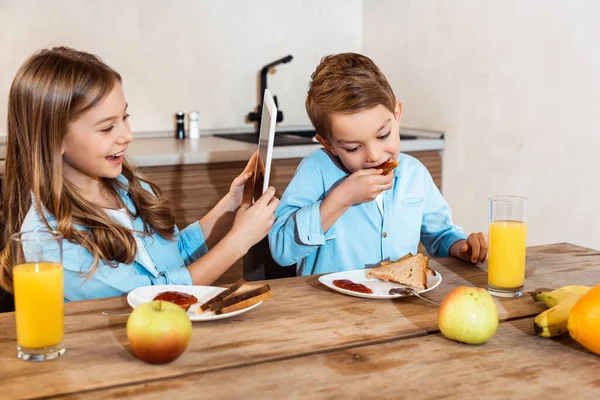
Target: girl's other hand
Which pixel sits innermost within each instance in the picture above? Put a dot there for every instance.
(253, 222)
(236, 190)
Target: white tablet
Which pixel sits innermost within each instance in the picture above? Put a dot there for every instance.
(262, 171)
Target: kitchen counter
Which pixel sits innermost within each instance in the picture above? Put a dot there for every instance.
(166, 150)
(209, 149)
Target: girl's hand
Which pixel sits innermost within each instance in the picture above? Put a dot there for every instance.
(474, 249)
(363, 186)
(252, 223)
(236, 190)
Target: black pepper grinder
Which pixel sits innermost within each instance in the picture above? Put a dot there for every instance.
(180, 131)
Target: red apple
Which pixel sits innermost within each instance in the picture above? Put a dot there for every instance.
(158, 332)
(468, 315)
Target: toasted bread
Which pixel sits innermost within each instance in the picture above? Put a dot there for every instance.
(411, 271)
(221, 296)
(245, 303)
(400, 259)
(429, 271)
(246, 297)
(387, 166)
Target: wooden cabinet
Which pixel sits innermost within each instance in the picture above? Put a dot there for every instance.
(195, 188)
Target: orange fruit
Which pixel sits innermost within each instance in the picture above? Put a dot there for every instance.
(584, 320)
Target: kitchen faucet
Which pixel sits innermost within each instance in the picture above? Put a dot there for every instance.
(255, 116)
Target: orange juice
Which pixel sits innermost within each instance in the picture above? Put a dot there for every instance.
(506, 259)
(39, 304)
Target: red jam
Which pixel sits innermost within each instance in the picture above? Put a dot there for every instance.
(349, 285)
(183, 300)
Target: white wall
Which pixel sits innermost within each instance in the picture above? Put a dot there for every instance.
(514, 84)
(187, 54)
(516, 87)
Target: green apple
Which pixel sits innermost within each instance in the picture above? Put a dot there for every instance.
(468, 315)
(158, 332)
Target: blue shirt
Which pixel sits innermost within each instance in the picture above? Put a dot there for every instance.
(413, 210)
(169, 257)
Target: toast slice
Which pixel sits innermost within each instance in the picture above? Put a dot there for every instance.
(400, 259)
(243, 299)
(221, 296)
(411, 271)
(387, 166)
(245, 303)
(428, 270)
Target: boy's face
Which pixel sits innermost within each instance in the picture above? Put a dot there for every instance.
(365, 139)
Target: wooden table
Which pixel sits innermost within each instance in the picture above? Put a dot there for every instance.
(310, 342)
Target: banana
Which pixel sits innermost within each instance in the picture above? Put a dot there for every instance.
(579, 289)
(553, 321)
(554, 297)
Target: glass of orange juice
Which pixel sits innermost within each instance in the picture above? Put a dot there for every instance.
(507, 246)
(38, 290)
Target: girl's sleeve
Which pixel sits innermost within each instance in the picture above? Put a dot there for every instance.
(108, 281)
(191, 243)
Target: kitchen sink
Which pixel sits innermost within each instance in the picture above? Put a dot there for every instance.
(294, 138)
(281, 138)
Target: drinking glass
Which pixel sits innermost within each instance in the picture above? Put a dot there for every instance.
(38, 291)
(507, 246)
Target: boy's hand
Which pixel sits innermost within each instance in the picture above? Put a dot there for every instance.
(474, 249)
(363, 186)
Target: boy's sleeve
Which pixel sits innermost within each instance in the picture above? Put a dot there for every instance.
(191, 243)
(108, 281)
(438, 233)
(297, 230)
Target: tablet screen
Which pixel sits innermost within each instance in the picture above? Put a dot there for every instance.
(262, 170)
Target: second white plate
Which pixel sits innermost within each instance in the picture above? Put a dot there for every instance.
(380, 288)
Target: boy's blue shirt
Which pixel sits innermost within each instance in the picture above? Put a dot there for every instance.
(169, 257)
(413, 210)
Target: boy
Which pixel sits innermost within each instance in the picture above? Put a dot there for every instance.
(340, 212)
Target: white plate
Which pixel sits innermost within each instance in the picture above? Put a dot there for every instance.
(380, 288)
(146, 294)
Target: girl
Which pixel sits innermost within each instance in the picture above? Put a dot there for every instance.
(66, 170)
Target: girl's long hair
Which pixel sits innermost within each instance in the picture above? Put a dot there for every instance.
(52, 89)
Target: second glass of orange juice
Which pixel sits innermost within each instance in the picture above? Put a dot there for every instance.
(38, 289)
(507, 246)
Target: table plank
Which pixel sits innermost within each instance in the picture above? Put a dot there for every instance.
(302, 318)
(514, 364)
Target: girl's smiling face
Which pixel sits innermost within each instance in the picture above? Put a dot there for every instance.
(365, 139)
(94, 144)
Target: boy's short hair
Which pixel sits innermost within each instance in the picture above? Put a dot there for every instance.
(345, 84)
